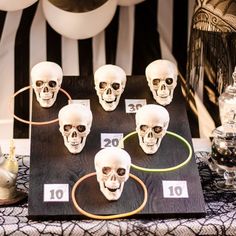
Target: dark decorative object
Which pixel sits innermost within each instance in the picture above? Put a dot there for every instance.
(212, 51)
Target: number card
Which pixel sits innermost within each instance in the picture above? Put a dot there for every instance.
(56, 193)
(132, 105)
(175, 189)
(85, 102)
(111, 140)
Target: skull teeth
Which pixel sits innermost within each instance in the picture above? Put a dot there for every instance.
(150, 144)
(47, 97)
(109, 102)
(74, 144)
(163, 95)
(111, 189)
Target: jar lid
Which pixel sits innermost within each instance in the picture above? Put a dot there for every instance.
(226, 131)
(232, 88)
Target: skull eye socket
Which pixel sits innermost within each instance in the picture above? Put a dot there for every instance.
(81, 128)
(169, 81)
(155, 82)
(115, 86)
(52, 83)
(102, 85)
(144, 128)
(39, 83)
(157, 129)
(106, 170)
(67, 128)
(121, 171)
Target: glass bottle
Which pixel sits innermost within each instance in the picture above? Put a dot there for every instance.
(223, 154)
(227, 102)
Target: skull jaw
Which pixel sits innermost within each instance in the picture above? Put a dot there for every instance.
(46, 100)
(163, 98)
(74, 146)
(109, 104)
(111, 193)
(149, 147)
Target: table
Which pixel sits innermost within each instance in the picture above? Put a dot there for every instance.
(219, 220)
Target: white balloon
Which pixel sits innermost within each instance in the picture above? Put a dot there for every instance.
(79, 25)
(128, 2)
(14, 5)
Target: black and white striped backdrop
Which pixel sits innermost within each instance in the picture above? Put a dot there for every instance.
(137, 35)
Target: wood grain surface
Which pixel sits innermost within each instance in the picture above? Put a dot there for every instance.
(51, 163)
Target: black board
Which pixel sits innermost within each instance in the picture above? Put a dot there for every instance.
(51, 163)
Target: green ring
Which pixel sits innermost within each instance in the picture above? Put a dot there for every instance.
(163, 169)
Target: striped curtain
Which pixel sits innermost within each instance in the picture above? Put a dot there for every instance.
(136, 36)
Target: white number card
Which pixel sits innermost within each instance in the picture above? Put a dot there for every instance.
(56, 193)
(132, 105)
(175, 189)
(111, 140)
(85, 102)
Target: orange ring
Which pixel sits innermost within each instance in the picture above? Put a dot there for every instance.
(109, 217)
(34, 122)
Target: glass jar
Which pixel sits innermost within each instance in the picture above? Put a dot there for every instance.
(223, 153)
(227, 102)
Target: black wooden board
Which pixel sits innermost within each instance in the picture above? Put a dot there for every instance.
(51, 162)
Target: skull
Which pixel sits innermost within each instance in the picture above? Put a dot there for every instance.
(110, 83)
(151, 124)
(112, 166)
(46, 81)
(75, 121)
(162, 80)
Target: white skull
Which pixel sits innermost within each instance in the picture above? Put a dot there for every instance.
(151, 124)
(112, 166)
(46, 81)
(110, 83)
(162, 80)
(75, 122)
